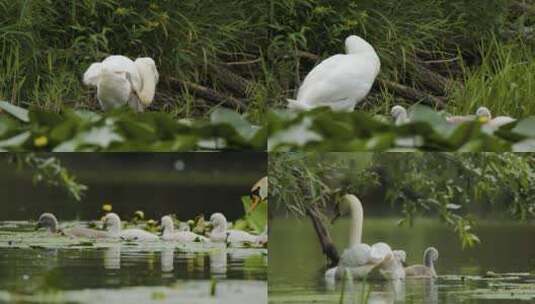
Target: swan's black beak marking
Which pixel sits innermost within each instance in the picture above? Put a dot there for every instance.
(255, 199)
(38, 226)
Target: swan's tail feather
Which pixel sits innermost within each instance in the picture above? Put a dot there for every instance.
(324, 237)
(92, 74)
(296, 105)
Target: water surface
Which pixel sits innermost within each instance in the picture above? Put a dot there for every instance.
(297, 264)
(36, 267)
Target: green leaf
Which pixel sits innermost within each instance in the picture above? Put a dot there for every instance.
(18, 112)
(258, 218)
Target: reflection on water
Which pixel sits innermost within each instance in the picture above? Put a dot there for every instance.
(297, 266)
(34, 264)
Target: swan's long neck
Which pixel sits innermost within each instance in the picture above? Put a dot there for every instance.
(221, 227)
(115, 227)
(363, 48)
(428, 260)
(168, 228)
(146, 95)
(357, 217)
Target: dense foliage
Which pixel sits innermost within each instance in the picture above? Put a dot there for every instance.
(324, 130)
(455, 187)
(50, 171)
(123, 130)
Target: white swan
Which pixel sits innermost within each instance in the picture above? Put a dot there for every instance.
(493, 123)
(340, 81)
(393, 269)
(359, 258)
(50, 222)
(112, 223)
(400, 115)
(169, 233)
(427, 270)
(120, 81)
(220, 233)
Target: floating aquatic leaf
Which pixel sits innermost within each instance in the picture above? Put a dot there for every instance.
(18, 112)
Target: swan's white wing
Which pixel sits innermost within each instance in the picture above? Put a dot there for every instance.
(379, 252)
(137, 235)
(238, 236)
(91, 76)
(340, 79)
(118, 64)
(356, 256)
(501, 121)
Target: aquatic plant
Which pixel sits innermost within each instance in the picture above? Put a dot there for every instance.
(324, 130)
(123, 130)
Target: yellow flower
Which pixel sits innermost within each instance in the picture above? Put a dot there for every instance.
(483, 119)
(106, 207)
(40, 141)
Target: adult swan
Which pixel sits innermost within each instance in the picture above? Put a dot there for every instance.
(340, 81)
(120, 81)
(358, 259)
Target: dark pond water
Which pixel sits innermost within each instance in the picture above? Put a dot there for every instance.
(185, 184)
(36, 267)
(296, 269)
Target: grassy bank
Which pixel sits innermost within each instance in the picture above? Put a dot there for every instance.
(454, 55)
(45, 46)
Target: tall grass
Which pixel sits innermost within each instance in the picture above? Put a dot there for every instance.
(46, 45)
(504, 81)
(460, 40)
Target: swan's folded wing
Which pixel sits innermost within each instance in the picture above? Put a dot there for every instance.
(92, 74)
(338, 78)
(356, 256)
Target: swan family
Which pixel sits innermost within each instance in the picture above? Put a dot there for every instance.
(400, 116)
(359, 259)
(341, 81)
(121, 81)
(112, 229)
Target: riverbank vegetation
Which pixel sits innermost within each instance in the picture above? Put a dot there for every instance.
(455, 187)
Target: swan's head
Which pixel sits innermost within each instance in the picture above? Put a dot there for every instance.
(483, 114)
(167, 224)
(218, 220)
(149, 75)
(48, 221)
(139, 215)
(398, 112)
(430, 255)
(111, 222)
(259, 193)
(400, 255)
(345, 204)
(356, 45)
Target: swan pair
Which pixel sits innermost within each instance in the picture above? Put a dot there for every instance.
(483, 114)
(121, 81)
(340, 81)
(359, 259)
